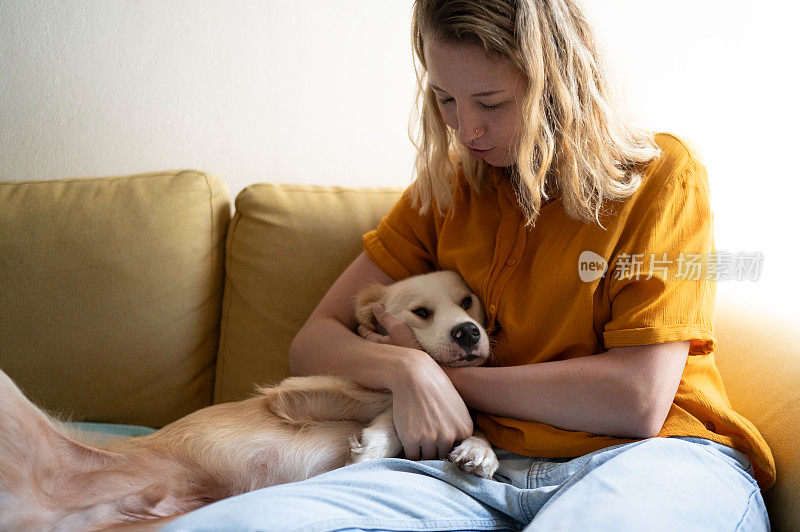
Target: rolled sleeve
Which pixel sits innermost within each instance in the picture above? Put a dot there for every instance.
(404, 243)
(660, 282)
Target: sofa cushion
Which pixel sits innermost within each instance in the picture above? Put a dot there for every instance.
(286, 245)
(101, 434)
(111, 292)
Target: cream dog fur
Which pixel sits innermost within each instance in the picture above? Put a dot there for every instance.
(302, 427)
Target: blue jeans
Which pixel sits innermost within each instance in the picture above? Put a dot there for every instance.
(655, 484)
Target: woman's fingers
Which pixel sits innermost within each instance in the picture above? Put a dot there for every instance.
(399, 333)
(411, 451)
(444, 449)
(429, 451)
(371, 335)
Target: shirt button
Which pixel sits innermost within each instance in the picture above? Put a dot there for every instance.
(511, 262)
(492, 309)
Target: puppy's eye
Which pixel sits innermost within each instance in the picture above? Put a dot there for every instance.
(466, 302)
(422, 312)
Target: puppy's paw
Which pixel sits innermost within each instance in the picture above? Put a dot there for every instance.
(371, 447)
(475, 455)
(356, 451)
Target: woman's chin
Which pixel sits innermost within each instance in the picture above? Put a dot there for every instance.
(499, 161)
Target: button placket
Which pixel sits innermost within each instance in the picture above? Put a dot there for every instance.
(506, 272)
(511, 226)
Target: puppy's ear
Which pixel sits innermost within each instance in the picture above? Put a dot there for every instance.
(368, 296)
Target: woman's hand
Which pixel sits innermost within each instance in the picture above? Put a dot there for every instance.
(399, 333)
(429, 414)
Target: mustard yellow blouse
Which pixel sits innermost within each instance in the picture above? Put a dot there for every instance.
(547, 298)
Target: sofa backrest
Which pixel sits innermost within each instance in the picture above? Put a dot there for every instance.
(110, 293)
(286, 245)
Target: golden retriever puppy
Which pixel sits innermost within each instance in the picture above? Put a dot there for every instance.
(302, 427)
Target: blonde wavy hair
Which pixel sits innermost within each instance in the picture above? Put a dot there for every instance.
(573, 143)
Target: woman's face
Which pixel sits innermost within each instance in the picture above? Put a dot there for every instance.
(478, 97)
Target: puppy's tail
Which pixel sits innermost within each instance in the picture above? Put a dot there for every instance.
(33, 453)
(301, 401)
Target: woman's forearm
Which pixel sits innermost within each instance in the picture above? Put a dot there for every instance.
(326, 347)
(625, 392)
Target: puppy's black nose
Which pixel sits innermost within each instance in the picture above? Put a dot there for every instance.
(466, 335)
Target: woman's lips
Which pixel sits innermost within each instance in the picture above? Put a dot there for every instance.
(479, 153)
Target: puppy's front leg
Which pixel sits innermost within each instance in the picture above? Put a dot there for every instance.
(475, 455)
(378, 440)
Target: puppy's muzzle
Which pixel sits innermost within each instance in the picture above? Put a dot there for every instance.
(466, 335)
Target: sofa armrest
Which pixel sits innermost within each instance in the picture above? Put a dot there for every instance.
(759, 357)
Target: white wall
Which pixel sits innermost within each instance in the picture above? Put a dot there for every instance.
(292, 90)
(319, 91)
(722, 73)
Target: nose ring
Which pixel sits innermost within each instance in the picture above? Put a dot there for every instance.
(476, 135)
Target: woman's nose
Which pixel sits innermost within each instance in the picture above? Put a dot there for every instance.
(467, 126)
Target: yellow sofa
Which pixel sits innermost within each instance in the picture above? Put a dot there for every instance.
(138, 299)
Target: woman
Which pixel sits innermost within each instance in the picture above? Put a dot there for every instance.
(604, 402)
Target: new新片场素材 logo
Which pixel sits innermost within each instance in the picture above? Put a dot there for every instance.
(591, 266)
(717, 266)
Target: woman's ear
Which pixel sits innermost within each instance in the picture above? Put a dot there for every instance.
(368, 296)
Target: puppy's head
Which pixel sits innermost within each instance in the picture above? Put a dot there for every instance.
(445, 316)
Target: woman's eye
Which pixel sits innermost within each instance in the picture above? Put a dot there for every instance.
(422, 312)
(466, 303)
(445, 101)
